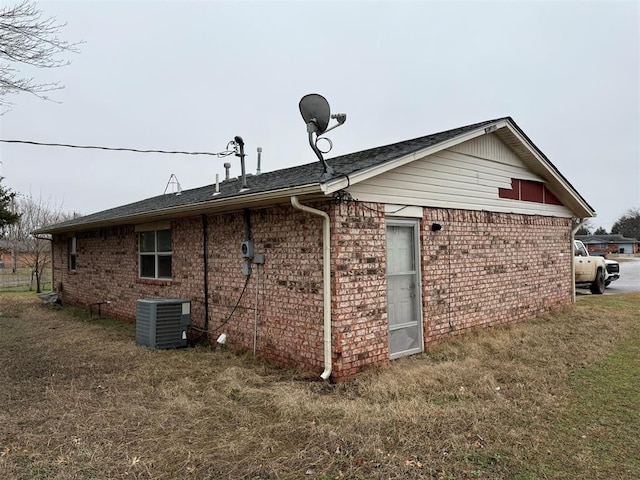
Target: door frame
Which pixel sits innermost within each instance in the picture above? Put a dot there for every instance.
(415, 224)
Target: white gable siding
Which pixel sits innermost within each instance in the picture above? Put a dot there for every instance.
(466, 177)
(491, 148)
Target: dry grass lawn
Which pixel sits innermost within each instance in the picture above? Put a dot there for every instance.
(556, 397)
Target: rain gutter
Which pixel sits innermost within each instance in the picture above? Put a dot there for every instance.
(237, 202)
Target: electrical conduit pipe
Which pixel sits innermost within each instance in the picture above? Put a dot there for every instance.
(326, 279)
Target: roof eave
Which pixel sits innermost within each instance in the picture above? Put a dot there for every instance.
(261, 199)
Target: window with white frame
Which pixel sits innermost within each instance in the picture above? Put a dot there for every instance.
(155, 254)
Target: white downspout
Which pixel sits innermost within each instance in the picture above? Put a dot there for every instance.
(326, 271)
(573, 263)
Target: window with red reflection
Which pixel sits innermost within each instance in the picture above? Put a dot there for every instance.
(514, 193)
(529, 191)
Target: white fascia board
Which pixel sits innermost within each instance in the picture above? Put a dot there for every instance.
(210, 206)
(552, 172)
(342, 182)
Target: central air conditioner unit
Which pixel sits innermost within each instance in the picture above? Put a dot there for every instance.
(162, 323)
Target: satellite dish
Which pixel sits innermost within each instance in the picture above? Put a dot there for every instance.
(316, 114)
(315, 110)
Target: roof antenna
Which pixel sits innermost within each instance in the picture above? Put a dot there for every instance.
(316, 113)
(175, 185)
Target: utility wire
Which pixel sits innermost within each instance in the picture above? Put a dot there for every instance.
(226, 320)
(224, 153)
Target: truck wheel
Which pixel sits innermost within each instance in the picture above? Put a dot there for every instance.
(597, 287)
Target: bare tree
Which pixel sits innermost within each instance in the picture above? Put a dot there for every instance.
(34, 251)
(28, 38)
(585, 228)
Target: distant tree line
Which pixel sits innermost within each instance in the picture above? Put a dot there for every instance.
(628, 225)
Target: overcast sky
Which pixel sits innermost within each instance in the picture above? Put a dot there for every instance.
(179, 75)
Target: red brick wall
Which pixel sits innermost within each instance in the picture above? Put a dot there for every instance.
(484, 269)
(22, 259)
(290, 302)
(107, 269)
(359, 303)
(610, 248)
(481, 269)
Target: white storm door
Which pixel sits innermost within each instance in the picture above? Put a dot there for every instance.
(404, 293)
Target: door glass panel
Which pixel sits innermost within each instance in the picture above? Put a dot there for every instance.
(405, 339)
(403, 292)
(400, 249)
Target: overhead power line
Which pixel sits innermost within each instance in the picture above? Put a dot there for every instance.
(224, 153)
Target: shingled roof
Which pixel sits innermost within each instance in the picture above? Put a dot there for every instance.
(276, 184)
(611, 238)
(285, 179)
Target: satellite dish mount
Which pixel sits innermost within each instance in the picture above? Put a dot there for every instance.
(316, 113)
(238, 148)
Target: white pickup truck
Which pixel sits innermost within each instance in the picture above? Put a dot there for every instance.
(613, 268)
(590, 272)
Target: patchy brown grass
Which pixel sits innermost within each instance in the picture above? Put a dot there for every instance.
(79, 400)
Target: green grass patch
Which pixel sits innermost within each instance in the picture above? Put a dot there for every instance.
(22, 291)
(598, 435)
(25, 289)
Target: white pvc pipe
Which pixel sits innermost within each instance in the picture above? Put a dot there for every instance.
(326, 271)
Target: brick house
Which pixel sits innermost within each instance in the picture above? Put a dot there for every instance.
(405, 245)
(613, 243)
(16, 255)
